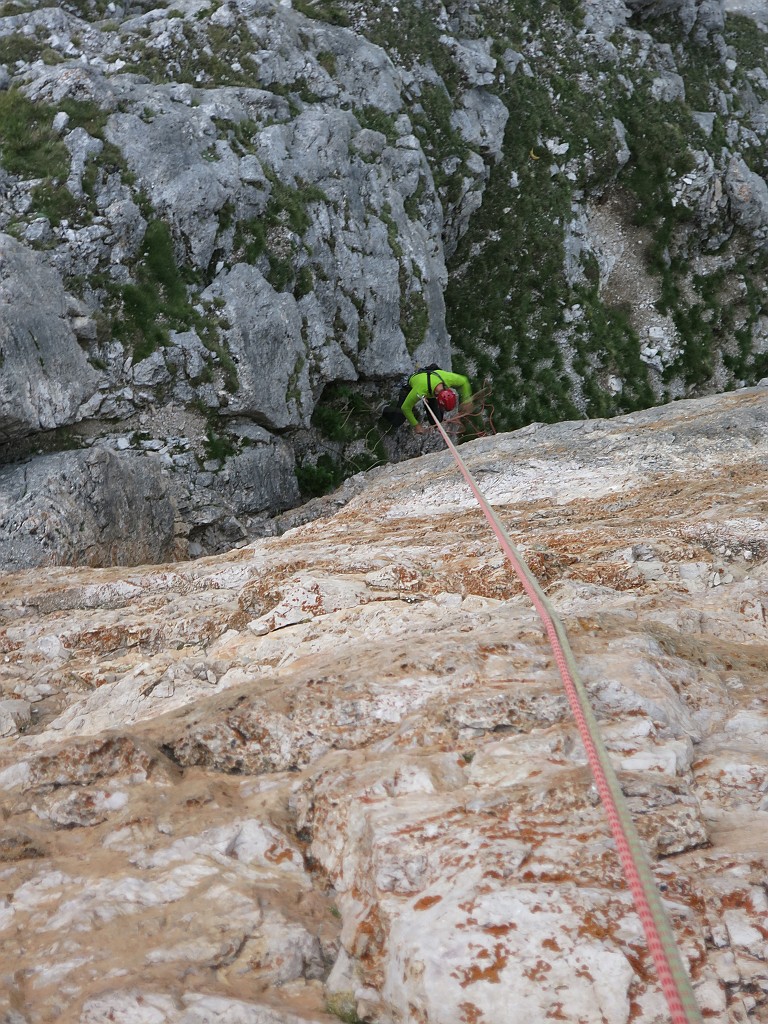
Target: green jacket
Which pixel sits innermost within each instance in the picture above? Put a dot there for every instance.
(420, 388)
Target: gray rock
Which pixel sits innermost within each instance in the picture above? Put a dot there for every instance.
(262, 479)
(711, 15)
(684, 9)
(85, 328)
(230, 504)
(481, 120)
(151, 372)
(60, 122)
(126, 222)
(706, 15)
(750, 8)
(364, 74)
(474, 59)
(265, 342)
(44, 374)
(187, 353)
(748, 194)
(53, 83)
(189, 172)
(622, 154)
(668, 87)
(512, 60)
(39, 231)
(96, 507)
(705, 121)
(250, 431)
(82, 148)
(603, 17)
(369, 143)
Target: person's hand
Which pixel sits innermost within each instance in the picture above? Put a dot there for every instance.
(421, 428)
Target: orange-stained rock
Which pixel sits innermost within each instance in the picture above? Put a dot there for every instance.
(336, 772)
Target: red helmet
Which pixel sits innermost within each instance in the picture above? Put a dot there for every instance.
(446, 399)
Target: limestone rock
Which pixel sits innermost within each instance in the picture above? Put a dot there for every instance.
(85, 507)
(336, 770)
(82, 147)
(44, 374)
(750, 8)
(258, 201)
(167, 152)
(14, 716)
(265, 342)
(668, 87)
(481, 121)
(603, 18)
(474, 58)
(748, 193)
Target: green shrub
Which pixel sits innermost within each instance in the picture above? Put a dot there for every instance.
(250, 239)
(218, 446)
(378, 121)
(319, 478)
(280, 272)
(288, 205)
(17, 47)
(305, 282)
(327, 60)
(158, 300)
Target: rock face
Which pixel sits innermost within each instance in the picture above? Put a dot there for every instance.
(267, 213)
(44, 374)
(334, 775)
(301, 264)
(80, 508)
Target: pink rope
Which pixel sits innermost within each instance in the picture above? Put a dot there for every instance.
(674, 981)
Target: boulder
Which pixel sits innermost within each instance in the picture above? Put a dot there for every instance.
(481, 121)
(264, 339)
(45, 375)
(603, 17)
(473, 56)
(748, 193)
(95, 508)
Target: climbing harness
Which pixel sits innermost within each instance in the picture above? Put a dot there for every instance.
(674, 978)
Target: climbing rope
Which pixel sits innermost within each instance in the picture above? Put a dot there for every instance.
(674, 978)
(475, 417)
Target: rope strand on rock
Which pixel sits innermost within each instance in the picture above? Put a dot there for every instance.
(674, 978)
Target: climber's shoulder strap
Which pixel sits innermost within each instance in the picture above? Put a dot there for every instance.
(429, 370)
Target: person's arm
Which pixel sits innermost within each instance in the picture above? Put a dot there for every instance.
(461, 383)
(407, 407)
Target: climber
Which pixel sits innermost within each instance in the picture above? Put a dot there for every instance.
(435, 386)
